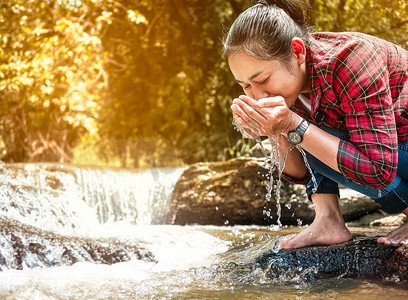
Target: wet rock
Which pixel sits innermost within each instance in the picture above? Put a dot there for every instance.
(392, 220)
(220, 193)
(24, 246)
(361, 258)
(234, 192)
(257, 151)
(366, 220)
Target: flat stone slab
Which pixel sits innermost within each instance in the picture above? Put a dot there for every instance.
(360, 258)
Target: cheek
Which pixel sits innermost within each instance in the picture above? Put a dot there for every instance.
(279, 88)
(293, 86)
(288, 89)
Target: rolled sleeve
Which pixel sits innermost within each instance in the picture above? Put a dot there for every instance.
(303, 180)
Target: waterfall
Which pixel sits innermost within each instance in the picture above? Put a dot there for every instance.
(73, 199)
(142, 197)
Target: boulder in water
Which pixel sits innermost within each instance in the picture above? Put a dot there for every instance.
(234, 193)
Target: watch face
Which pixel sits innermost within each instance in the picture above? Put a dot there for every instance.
(294, 137)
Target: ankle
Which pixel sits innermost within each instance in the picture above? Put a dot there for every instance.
(327, 206)
(329, 217)
(328, 212)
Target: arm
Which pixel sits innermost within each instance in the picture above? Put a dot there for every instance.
(318, 143)
(295, 168)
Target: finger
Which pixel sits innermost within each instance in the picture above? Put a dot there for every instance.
(243, 128)
(271, 102)
(251, 134)
(239, 111)
(251, 102)
(244, 123)
(248, 100)
(251, 115)
(251, 110)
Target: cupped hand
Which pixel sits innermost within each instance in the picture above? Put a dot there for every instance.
(244, 124)
(267, 116)
(246, 132)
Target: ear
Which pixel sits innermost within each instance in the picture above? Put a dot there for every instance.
(299, 50)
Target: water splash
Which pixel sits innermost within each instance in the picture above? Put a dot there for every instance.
(276, 164)
(315, 186)
(44, 196)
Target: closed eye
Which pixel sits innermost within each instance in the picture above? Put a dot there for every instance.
(265, 81)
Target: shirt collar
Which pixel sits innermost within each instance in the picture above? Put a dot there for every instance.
(314, 81)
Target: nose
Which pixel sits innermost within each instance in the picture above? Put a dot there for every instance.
(259, 93)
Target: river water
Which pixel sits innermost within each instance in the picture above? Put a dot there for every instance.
(193, 262)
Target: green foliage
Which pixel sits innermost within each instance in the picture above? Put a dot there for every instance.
(172, 94)
(141, 81)
(385, 19)
(51, 77)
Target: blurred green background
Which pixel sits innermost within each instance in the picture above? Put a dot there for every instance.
(137, 84)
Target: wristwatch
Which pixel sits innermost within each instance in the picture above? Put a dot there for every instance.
(296, 136)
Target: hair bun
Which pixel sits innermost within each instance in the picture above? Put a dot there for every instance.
(294, 8)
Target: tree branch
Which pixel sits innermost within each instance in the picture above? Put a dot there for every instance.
(399, 24)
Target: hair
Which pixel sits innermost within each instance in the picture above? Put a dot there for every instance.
(265, 30)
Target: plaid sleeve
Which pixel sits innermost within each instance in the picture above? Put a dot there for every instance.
(361, 80)
(303, 180)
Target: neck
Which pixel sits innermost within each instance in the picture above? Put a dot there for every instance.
(306, 87)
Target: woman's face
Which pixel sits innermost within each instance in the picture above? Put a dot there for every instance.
(268, 78)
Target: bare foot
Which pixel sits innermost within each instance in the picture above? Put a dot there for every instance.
(323, 231)
(396, 237)
(328, 227)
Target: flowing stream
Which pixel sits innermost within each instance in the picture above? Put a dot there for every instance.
(120, 206)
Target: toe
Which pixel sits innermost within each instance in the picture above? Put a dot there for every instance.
(395, 241)
(382, 240)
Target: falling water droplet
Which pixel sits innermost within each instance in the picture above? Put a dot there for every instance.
(315, 186)
(276, 163)
(276, 245)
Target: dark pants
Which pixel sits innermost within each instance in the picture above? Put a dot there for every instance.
(393, 198)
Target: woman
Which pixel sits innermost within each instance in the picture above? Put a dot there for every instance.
(342, 97)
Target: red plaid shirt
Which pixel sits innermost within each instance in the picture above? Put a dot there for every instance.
(359, 84)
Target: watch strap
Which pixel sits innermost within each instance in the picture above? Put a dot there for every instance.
(299, 132)
(302, 127)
